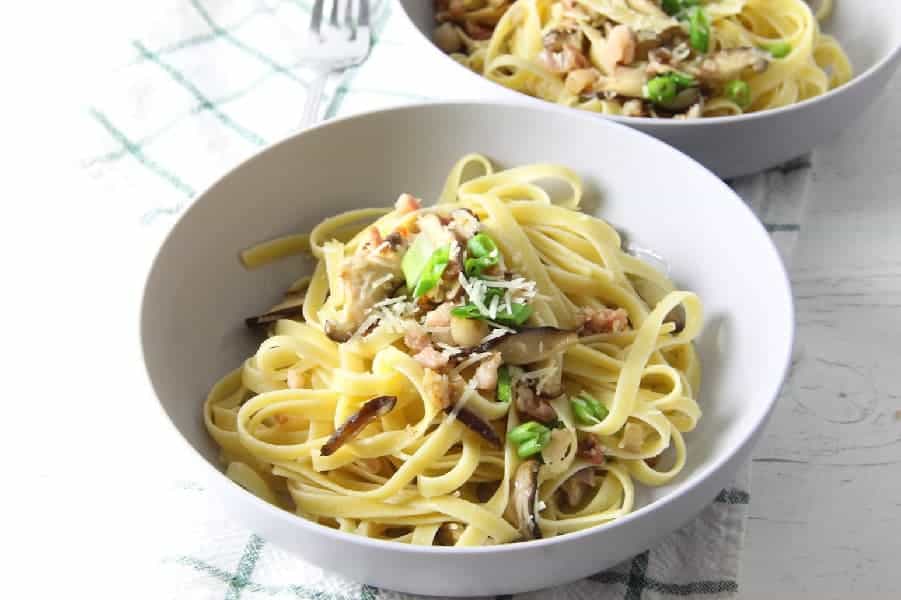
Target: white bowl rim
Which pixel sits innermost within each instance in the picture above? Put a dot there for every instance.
(890, 57)
(771, 395)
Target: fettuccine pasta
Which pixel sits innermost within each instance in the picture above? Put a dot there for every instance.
(649, 58)
(489, 369)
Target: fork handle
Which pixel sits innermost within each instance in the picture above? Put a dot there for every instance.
(314, 99)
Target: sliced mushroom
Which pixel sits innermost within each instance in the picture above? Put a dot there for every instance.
(530, 345)
(289, 308)
(730, 63)
(573, 489)
(477, 424)
(525, 499)
(373, 409)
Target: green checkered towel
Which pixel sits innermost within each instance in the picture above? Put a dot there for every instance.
(212, 83)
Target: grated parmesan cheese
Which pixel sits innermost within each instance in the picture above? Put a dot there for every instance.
(473, 359)
(448, 350)
(499, 326)
(382, 280)
(492, 308)
(389, 301)
(475, 291)
(494, 334)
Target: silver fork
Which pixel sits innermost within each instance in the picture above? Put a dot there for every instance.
(333, 47)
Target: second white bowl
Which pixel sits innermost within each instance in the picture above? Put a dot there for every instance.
(731, 146)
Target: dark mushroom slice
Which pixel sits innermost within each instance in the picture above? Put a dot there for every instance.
(530, 345)
(373, 409)
(477, 424)
(289, 308)
(525, 499)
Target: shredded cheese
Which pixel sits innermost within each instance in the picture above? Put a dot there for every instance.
(494, 334)
(504, 328)
(389, 301)
(475, 291)
(473, 359)
(382, 280)
(492, 308)
(449, 350)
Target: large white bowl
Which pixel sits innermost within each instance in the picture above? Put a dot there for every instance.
(197, 296)
(730, 146)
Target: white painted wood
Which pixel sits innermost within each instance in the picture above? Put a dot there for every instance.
(826, 494)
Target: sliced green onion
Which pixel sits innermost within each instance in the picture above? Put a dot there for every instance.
(530, 447)
(698, 29)
(481, 245)
(661, 90)
(587, 410)
(415, 259)
(432, 272)
(779, 49)
(519, 315)
(739, 92)
(467, 311)
(682, 80)
(474, 267)
(504, 384)
(526, 431)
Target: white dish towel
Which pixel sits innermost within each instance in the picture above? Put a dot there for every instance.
(210, 84)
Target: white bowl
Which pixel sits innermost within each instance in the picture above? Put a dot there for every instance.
(730, 146)
(197, 296)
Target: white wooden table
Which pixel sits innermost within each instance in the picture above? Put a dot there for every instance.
(826, 495)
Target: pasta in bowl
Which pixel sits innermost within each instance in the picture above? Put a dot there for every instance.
(649, 58)
(493, 368)
(777, 79)
(198, 295)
